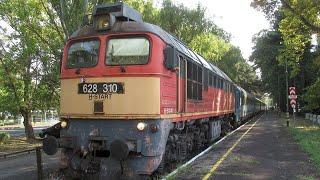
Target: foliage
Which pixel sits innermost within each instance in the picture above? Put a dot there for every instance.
(4, 137)
(210, 46)
(237, 68)
(295, 22)
(312, 96)
(18, 143)
(187, 23)
(308, 138)
(29, 59)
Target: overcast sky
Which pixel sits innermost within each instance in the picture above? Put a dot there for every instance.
(236, 17)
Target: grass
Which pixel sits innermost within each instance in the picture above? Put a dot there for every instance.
(307, 136)
(303, 177)
(4, 137)
(18, 144)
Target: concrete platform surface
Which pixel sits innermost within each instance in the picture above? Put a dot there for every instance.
(261, 149)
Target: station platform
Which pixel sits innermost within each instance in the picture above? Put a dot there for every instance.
(261, 149)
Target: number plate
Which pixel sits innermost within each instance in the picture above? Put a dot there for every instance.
(100, 88)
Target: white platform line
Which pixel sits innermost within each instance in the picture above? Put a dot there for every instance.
(206, 150)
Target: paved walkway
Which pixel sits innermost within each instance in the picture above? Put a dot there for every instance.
(24, 167)
(35, 125)
(21, 131)
(261, 149)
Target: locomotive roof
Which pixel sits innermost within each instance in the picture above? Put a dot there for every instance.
(132, 26)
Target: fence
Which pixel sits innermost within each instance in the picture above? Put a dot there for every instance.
(28, 151)
(313, 117)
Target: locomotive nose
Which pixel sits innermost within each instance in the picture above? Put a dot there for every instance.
(119, 149)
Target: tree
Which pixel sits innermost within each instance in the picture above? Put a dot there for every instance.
(29, 59)
(288, 42)
(210, 46)
(237, 68)
(187, 23)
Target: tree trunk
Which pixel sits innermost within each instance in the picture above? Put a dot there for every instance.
(28, 126)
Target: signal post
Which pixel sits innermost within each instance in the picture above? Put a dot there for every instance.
(292, 96)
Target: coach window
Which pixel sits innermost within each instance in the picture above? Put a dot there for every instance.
(127, 51)
(83, 54)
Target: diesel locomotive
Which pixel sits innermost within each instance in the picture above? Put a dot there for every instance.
(135, 99)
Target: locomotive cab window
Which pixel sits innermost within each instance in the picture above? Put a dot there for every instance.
(83, 54)
(127, 51)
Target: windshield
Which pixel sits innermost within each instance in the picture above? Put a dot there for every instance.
(126, 51)
(83, 54)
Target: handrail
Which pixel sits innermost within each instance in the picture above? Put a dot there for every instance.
(7, 155)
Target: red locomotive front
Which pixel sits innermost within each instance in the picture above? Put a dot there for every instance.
(134, 98)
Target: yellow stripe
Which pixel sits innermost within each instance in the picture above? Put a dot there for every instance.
(217, 164)
(138, 116)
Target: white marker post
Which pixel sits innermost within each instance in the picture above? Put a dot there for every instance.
(293, 102)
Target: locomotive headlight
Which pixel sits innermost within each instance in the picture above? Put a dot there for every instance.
(141, 126)
(104, 22)
(64, 124)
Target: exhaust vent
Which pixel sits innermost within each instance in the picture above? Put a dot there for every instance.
(98, 107)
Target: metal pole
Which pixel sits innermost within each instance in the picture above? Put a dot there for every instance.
(287, 89)
(278, 107)
(294, 117)
(39, 163)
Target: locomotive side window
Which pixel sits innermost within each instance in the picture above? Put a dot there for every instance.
(205, 79)
(182, 67)
(194, 81)
(127, 51)
(83, 54)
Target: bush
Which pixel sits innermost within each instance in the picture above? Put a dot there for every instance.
(4, 136)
